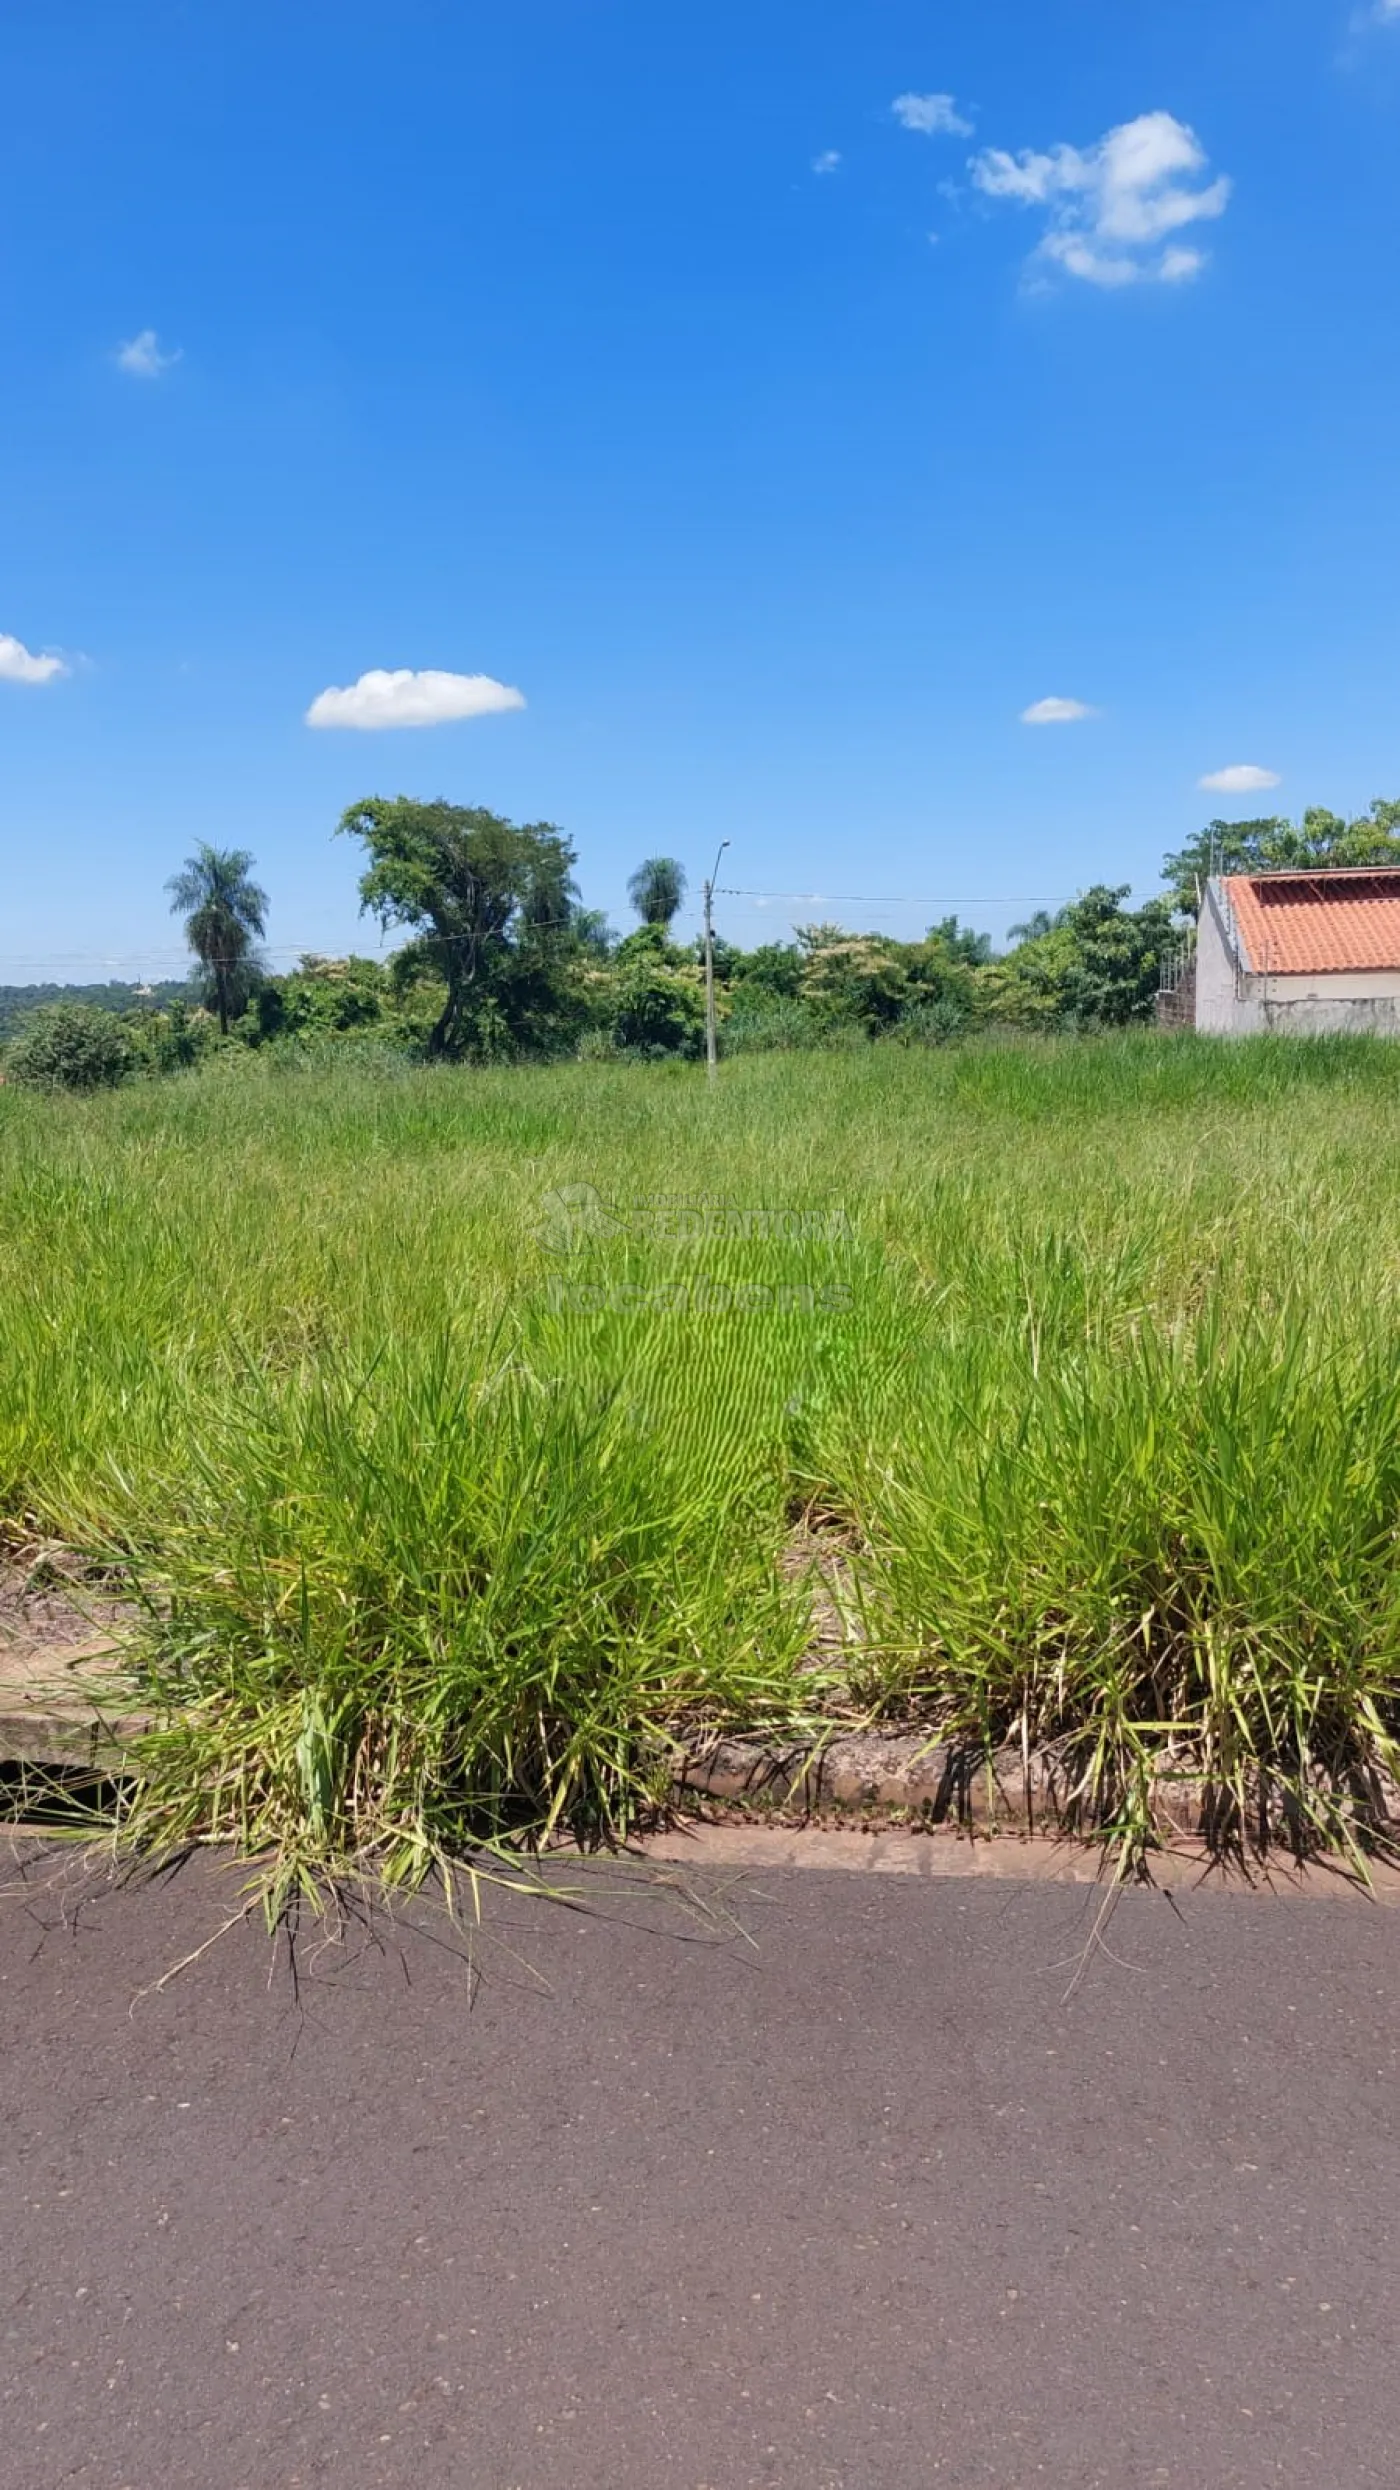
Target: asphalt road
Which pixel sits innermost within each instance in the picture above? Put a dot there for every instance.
(853, 2200)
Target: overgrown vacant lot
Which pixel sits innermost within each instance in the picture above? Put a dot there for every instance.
(455, 1505)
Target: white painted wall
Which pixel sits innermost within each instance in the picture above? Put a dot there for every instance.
(1220, 1009)
(1322, 1009)
(1350, 985)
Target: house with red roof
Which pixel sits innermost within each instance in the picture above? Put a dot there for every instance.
(1301, 951)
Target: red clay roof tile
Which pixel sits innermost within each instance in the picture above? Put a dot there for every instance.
(1293, 924)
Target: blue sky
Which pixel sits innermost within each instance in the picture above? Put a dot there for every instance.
(550, 344)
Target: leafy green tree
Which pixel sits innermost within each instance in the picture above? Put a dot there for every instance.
(225, 917)
(594, 933)
(773, 968)
(70, 1046)
(1321, 840)
(823, 937)
(656, 890)
(728, 958)
(656, 1004)
(322, 998)
(169, 1040)
(831, 986)
(650, 942)
(959, 942)
(861, 981)
(839, 986)
(659, 1013)
(493, 911)
(1095, 965)
(181, 1037)
(946, 979)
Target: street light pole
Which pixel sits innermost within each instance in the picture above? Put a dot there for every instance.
(711, 1033)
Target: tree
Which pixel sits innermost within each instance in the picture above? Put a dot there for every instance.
(323, 998)
(225, 917)
(657, 889)
(727, 956)
(70, 1046)
(650, 943)
(1039, 922)
(594, 933)
(854, 981)
(774, 968)
(1095, 964)
(493, 909)
(1322, 841)
(873, 983)
(960, 942)
(658, 1011)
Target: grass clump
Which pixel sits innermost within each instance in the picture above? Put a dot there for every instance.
(442, 1604)
(1174, 1564)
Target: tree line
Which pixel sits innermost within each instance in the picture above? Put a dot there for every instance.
(499, 960)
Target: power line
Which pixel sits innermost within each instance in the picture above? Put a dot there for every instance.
(868, 899)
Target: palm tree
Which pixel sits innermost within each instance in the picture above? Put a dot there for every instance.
(225, 916)
(657, 889)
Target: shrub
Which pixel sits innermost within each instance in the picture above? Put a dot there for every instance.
(659, 1011)
(763, 1021)
(933, 1023)
(70, 1046)
(173, 1040)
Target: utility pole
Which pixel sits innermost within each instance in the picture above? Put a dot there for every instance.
(711, 1036)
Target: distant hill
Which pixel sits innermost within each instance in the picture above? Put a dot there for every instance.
(117, 995)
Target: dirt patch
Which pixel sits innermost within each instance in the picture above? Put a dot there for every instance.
(820, 1559)
(50, 1600)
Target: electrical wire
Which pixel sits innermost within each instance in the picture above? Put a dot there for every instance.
(869, 899)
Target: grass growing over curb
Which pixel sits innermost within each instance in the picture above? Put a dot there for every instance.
(453, 1515)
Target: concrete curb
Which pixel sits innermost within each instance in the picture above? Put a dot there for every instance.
(67, 1741)
(71, 1718)
(59, 1708)
(943, 1782)
(872, 1771)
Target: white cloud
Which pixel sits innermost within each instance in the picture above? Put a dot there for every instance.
(1110, 207)
(145, 357)
(1243, 778)
(1055, 712)
(403, 698)
(935, 115)
(827, 161)
(19, 664)
(1080, 257)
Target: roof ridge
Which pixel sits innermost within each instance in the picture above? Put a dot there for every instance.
(1319, 873)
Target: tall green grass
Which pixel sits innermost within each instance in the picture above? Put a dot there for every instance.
(1097, 1367)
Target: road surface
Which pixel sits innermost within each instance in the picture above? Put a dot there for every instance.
(828, 2185)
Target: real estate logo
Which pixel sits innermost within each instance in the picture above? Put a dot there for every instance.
(578, 1225)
